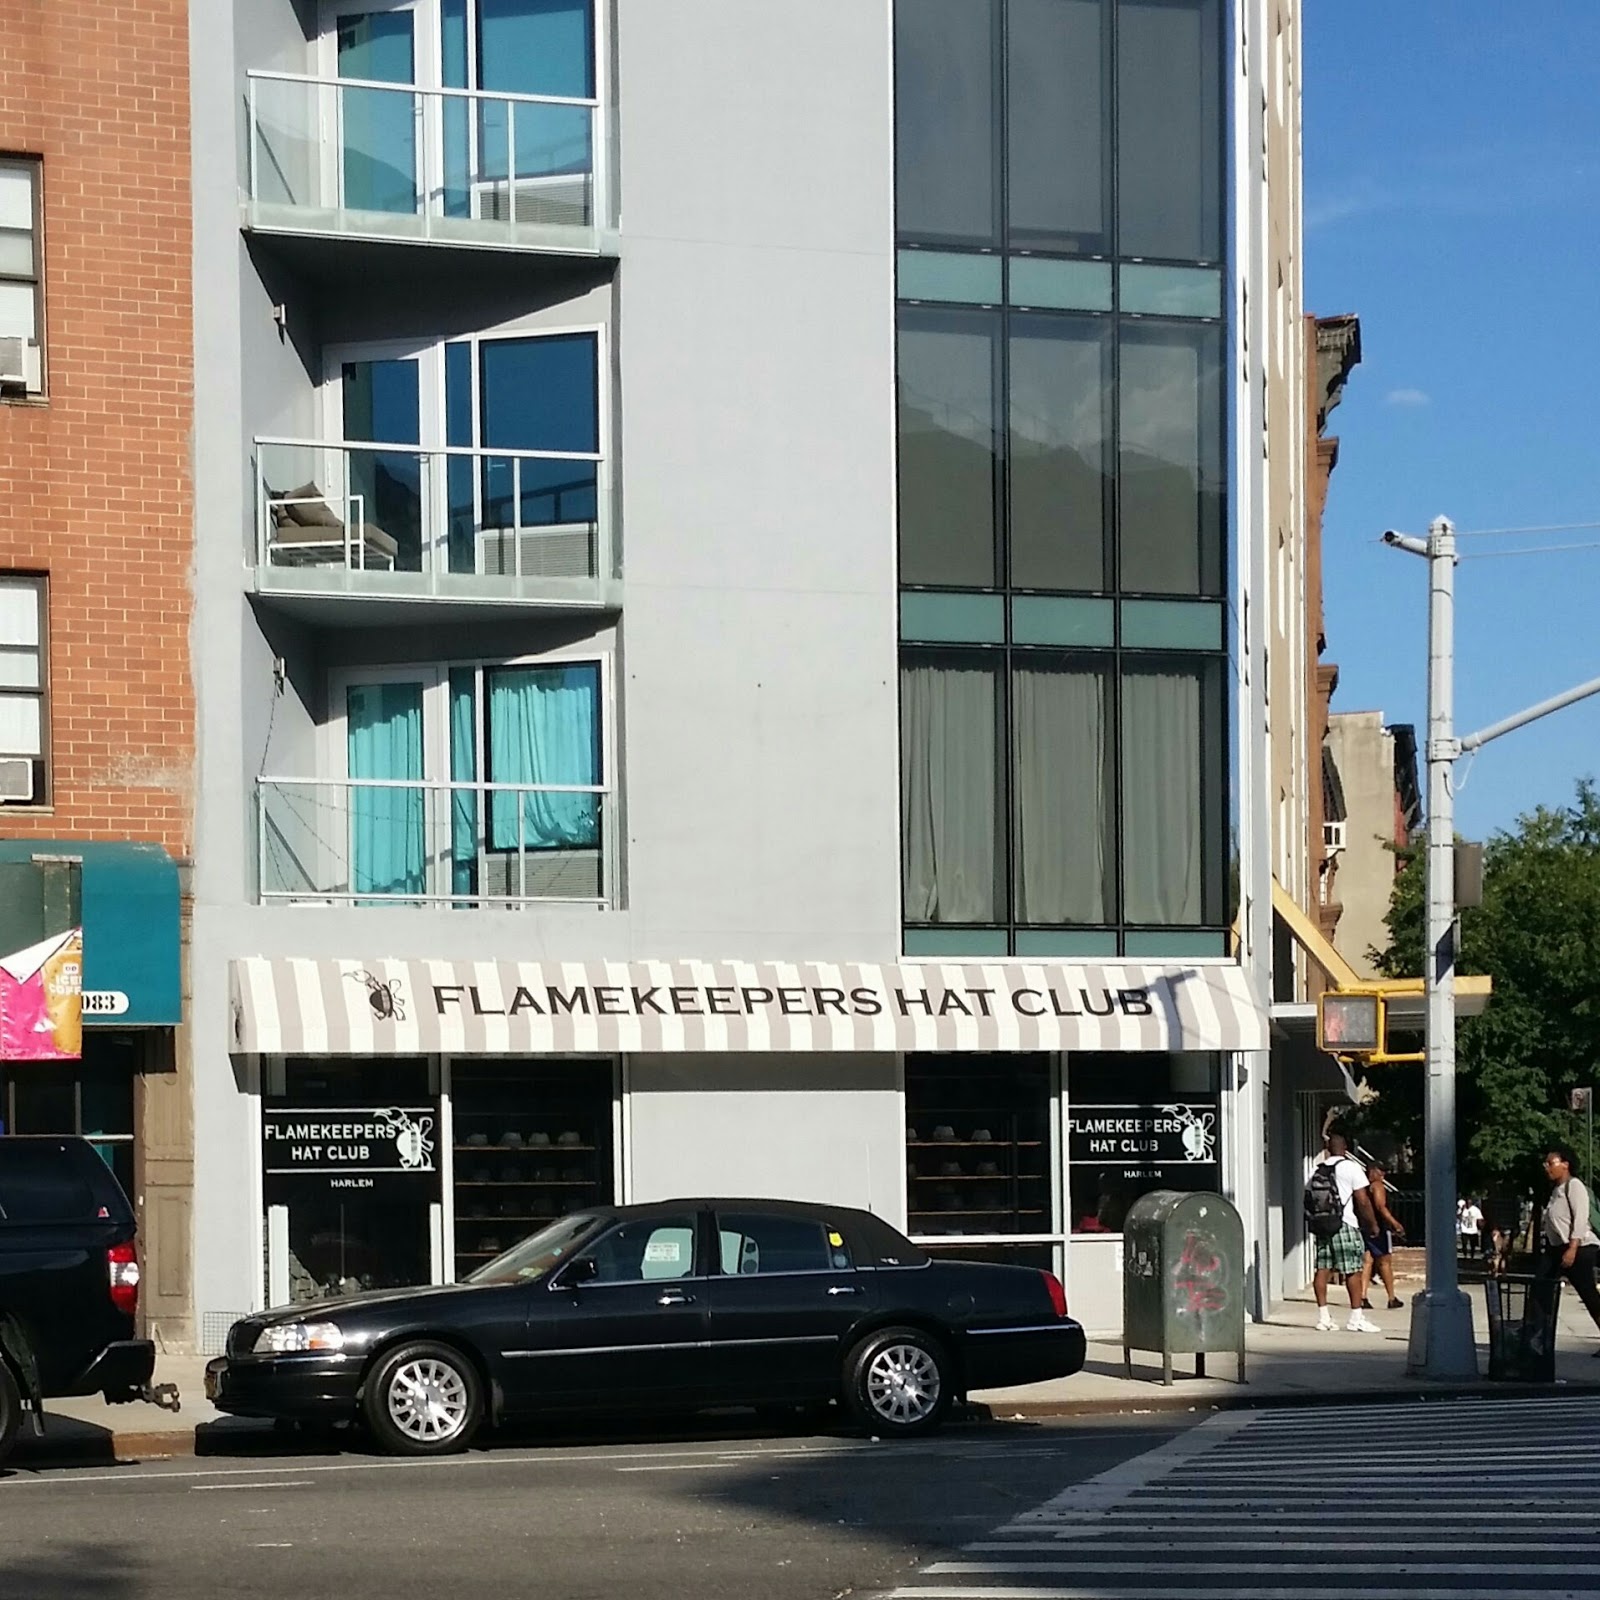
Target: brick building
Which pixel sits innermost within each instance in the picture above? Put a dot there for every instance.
(97, 739)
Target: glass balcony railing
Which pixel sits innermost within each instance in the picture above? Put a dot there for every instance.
(388, 842)
(373, 519)
(358, 157)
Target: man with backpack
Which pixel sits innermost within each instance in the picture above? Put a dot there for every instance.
(1570, 1248)
(1340, 1217)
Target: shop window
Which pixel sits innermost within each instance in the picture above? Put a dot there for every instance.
(767, 1242)
(1137, 1123)
(351, 1174)
(978, 1153)
(93, 1099)
(532, 1143)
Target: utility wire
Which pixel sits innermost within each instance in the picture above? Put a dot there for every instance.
(1529, 550)
(1548, 527)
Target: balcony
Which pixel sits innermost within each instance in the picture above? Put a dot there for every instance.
(468, 846)
(364, 160)
(367, 522)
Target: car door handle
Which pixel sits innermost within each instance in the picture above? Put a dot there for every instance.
(675, 1297)
(845, 1288)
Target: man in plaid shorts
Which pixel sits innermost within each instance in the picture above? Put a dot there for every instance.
(1344, 1252)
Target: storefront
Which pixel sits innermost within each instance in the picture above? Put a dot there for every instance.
(126, 1087)
(417, 1117)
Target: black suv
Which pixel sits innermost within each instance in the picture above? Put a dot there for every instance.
(69, 1281)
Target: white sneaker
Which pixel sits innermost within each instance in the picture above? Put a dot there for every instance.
(1360, 1322)
(1325, 1322)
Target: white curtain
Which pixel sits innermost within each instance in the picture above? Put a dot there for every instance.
(949, 845)
(1062, 813)
(1161, 798)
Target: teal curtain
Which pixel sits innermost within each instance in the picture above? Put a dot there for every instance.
(544, 727)
(464, 812)
(387, 826)
(380, 127)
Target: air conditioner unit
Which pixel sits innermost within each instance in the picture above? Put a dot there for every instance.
(16, 778)
(13, 362)
(559, 200)
(19, 363)
(1333, 836)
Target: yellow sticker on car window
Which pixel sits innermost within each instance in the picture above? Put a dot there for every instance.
(835, 1238)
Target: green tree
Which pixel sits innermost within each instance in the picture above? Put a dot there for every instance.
(1538, 935)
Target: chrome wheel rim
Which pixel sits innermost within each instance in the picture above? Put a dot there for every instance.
(903, 1384)
(428, 1401)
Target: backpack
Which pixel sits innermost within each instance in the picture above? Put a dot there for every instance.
(1324, 1208)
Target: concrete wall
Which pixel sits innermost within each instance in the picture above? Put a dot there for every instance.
(1364, 752)
(800, 1128)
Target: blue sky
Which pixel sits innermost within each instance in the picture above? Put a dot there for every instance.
(1452, 173)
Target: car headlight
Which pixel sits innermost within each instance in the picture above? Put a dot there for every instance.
(286, 1338)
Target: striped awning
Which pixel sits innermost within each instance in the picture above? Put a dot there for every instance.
(382, 1007)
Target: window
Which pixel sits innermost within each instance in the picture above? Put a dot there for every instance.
(23, 711)
(768, 1242)
(93, 1100)
(21, 278)
(1137, 1123)
(644, 1251)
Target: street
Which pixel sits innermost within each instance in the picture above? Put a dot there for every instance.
(710, 1511)
(1416, 1499)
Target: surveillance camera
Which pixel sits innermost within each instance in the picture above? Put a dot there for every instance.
(1390, 536)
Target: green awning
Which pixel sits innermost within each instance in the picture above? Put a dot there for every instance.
(129, 908)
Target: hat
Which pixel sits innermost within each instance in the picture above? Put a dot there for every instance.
(949, 1169)
(511, 1139)
(539, 1138)
(569, 1137)
(944, 1132)
(510, 1172)
(491, 1243)
(988, 1169)
(911, 1136)
(981, 1136)
(476, 1139)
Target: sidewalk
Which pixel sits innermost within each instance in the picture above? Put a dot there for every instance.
(1289, 1363)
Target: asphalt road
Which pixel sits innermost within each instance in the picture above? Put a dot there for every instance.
(718, 1512)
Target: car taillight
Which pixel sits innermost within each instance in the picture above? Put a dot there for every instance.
(1058, 1294)
(123, 1266)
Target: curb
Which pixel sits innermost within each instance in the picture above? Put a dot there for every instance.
(1176, 1400)
(105, 1449)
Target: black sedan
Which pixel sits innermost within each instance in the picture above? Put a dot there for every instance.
(681, 1305)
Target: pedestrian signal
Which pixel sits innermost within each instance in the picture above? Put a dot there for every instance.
(1350, 1023)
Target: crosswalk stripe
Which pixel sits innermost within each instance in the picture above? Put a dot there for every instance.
(1390, 1568)
(1401, 1542)
(1334, 1589)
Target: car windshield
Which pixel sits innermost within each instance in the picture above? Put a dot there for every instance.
(538, 1254)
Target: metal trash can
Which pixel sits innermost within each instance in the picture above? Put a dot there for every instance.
(1522, 1328)
(1183, 1279)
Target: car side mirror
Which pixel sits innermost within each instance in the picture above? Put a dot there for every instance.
(584, 1270)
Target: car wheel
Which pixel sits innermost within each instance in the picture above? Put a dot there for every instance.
(423, 1399)
(898, 1381)
(10, 1410)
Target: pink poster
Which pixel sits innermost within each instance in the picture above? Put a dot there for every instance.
(41, 1000)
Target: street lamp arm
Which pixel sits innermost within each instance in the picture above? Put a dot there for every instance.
(1404, 541)
(1474, 741)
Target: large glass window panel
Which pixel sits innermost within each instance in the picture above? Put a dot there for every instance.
(1062, 776)
(378, 126)
(1172, 801)
(1057, 125)
(1058, 453)
(948, 388)
(1171, 467)
(1169, 129)
(540, 394)
(947, 97)
(539, 47)
(951, 810)
(382, 403)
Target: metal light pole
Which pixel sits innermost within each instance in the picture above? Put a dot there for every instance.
(1442, 1344)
